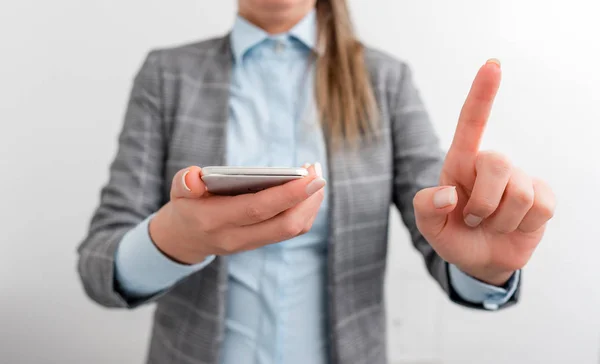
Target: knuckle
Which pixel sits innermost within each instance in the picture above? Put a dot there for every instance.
(292, 227)
(305, 229)
(483, 158)
(546, 210)
(206, 224)
(523, 197)
(254, 213)
(483, 207)
(498, 164)
(503, 229)
(310, 225)
(229, 246)
(500, 167)
(540, 183)
(545, 201)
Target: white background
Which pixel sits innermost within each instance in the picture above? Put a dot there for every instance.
(66, 69)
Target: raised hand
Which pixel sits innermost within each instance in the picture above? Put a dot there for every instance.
(487, 216)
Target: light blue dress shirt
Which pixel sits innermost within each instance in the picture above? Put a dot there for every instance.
(276, 304)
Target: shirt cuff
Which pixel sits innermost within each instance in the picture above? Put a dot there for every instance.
(142, 270)
(475, 291)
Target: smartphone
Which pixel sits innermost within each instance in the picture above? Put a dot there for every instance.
(232, 181)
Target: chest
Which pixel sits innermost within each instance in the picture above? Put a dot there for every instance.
(271, 112)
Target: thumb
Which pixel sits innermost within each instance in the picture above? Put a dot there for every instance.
(432, 206)
(187, 183)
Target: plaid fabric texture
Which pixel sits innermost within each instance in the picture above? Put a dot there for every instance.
(177, 117)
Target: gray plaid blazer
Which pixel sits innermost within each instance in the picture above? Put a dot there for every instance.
(177, 117)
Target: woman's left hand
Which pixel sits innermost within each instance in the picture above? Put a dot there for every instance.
(487, 217)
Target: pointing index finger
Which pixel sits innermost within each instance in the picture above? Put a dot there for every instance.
(476, 110)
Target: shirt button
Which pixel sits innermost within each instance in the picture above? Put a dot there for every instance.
(279, 46)
(491, 306)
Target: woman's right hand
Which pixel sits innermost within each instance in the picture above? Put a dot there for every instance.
(195, 224)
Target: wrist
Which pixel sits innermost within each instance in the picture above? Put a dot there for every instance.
(163, 234)
(490, 276)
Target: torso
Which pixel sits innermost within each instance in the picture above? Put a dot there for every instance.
(276, 303)
(191, 319)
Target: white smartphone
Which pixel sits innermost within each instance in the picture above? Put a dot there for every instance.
(231, 181)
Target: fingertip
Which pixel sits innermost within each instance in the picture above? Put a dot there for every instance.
(197, 171)
(315, 186)
(314, 170)
(184, 182)
(473, 221)
(318, 169)
(432, 206)
(494, 62)
(440, 198)
(192, 176)
(191, 181)
(493, 69)
(483, 90)
(445, 197)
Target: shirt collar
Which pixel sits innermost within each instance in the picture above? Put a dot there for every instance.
(246, 35)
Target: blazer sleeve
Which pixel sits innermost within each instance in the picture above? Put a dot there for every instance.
(135, 188)
(418, 162)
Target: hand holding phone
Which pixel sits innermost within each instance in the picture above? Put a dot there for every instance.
(196, 224)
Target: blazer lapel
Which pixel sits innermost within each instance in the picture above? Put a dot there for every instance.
(199, 126)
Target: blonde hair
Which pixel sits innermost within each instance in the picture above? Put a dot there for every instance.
(343, 91)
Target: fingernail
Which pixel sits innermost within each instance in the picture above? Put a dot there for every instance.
(444, 197)
(315, 186)
(318, 169)
(495, 61)
(306, 165)
(183, 180)
(473, 221)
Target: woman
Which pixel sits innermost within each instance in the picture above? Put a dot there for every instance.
(294, 274)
